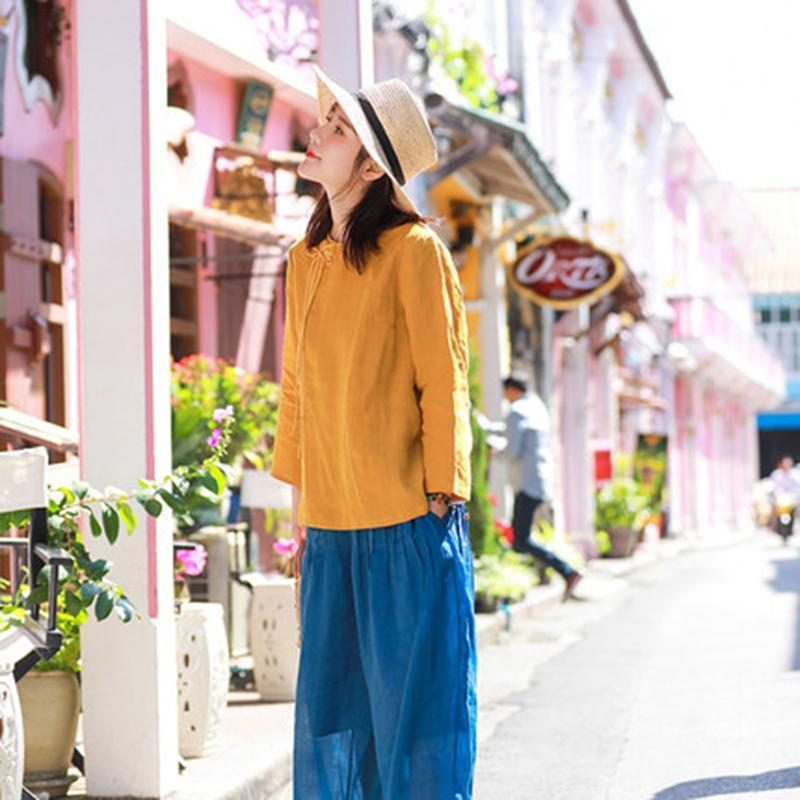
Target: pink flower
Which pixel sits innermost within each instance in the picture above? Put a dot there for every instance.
(215, 438)
(285, 547)
(221, 414)
(194, 561)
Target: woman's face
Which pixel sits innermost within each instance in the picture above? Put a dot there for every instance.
(332, 150)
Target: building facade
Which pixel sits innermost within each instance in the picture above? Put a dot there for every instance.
(774, 281)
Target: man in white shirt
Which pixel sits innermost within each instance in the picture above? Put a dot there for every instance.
(530, 471)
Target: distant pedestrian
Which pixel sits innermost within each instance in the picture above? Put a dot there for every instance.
(373, 431)
(530, 462)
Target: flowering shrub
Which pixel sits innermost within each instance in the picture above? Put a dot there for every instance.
(190, 562)
(286, 549)
(207, 392)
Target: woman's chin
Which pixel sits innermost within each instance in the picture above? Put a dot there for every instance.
(305, 169)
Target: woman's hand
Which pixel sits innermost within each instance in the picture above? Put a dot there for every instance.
(438, 506)
(298, 530)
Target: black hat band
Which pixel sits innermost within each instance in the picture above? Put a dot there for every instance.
(382, 137)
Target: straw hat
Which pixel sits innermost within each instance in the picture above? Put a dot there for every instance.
(391, 124)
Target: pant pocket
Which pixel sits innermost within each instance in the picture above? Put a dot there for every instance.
(442, 521)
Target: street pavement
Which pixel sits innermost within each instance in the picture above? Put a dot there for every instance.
(679, 681)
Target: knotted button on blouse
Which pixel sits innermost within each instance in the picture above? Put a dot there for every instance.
(374, 409)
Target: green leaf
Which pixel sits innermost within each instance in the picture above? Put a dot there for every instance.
(128, 517)
(124, 609)
(173, 502)
(81, 489)
(37, 596)
(89, 590)
(152, 507)
(97, 570)
(94, 524)
(207, 480)
(104, 605)
(111, 522)
(73, 603)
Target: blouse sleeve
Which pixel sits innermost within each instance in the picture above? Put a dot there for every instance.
(286, 454)
(433, 306)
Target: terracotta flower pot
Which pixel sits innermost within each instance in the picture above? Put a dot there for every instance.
(51, 704)
(623, 541)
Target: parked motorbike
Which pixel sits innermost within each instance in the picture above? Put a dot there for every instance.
(784, 508)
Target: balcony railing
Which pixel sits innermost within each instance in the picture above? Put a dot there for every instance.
(727, 349)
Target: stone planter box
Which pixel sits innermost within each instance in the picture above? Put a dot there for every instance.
(273, 638)
(203, 675)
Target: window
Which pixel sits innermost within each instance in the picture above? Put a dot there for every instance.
(43, 24)
(765, 315)
(183, 255)
(784, 314)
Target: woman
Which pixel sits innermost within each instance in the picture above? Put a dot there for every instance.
(373, 433)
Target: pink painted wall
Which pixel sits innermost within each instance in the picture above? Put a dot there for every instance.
(31, 134)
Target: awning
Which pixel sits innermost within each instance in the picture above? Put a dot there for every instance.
(627, 296)
(231, 226)
(496, 152)
(781, 420)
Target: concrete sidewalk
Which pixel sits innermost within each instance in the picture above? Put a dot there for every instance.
(254, 760)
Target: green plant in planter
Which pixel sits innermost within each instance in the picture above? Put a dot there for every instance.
(78, 510)
(506, 576)
(621, 505)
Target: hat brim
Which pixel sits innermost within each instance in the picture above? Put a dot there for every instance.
(328, 93)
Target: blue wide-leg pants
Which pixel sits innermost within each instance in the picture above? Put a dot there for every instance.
(386, 702)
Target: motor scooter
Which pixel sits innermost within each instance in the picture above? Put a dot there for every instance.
(784, 508)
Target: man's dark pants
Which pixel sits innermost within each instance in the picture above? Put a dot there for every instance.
(524, 508)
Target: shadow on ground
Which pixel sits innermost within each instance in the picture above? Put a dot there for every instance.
(787, 579)
(732, 785)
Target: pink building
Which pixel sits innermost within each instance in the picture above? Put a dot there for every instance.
(724, 373)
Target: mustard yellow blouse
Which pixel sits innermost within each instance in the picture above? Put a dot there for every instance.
(374, 408)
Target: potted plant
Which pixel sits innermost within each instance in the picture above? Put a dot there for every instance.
(501, 578)
(49, 694)
(621, 509)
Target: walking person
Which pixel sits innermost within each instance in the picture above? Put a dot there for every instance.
(373, 433)
(529, 457)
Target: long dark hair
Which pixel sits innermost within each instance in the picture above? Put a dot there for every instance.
(376, 212)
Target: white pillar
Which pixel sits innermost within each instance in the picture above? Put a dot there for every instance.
(576, 461)
(129, 681)
(494, 346)
(346, 42)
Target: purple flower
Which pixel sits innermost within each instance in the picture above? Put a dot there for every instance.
(285, 547)
(221, 414)
(215, 438)
(194, 561)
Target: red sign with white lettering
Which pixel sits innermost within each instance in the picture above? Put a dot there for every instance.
(564, 272)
